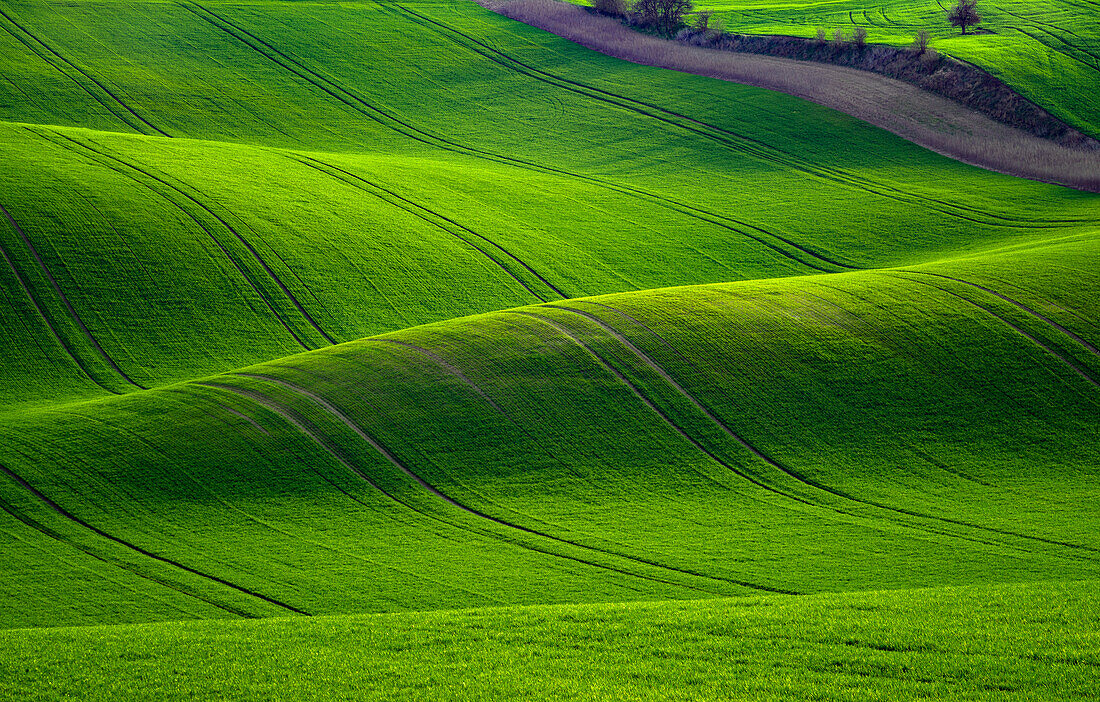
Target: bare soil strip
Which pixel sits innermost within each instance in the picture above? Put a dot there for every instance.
(926, 119)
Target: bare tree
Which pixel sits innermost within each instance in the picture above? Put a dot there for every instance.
(647, 12)
(964, 14)
(859, 37)
(702, 21)
(820, 35)
(672, 13)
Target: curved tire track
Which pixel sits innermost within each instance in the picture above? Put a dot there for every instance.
(401, 466)
(68, 305)
(796, 475)
(137, 549)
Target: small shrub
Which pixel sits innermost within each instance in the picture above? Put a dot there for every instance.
(920, 42)
(614, 8)
(820, 35)
(859, 37)
(702, 21)
(838, 38)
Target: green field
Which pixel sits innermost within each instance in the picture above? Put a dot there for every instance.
(525, 367)
(1049, 51)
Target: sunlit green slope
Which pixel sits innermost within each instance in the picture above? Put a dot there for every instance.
(1048, 50)
(315, 308)
(948, 643)
(354, 169)
(911, 427)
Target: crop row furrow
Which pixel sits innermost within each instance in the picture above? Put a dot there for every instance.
(400, 465)
(1077, 369)
(797, 475)
(77, 360)
(144, 552)
(407, 129)
(441, 222)
(165, 190)
(299, 423)
(1016, 303)
(68, 305)
(45, 51)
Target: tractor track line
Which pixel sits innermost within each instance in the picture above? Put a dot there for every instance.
(49, 324)
(1056, 49)
(86, 75)
(192, 217)
(408, 130)
(796, 475)
(1072, 366)
(291, 417)
(71, 517)
(769, 488)
(511, 420)
(464, 228)
(397, 463)
(51, 534)
(261, 522)
(418, 212)
(1050, 322)
(244, 242)
(68, 305)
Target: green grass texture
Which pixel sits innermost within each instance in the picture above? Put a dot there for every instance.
(372, 309)
(1049, 51)
(1018, 642)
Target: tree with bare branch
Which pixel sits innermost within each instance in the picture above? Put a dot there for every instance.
(964, 14)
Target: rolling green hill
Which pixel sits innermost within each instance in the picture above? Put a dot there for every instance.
(1049, 51)
(363, 308)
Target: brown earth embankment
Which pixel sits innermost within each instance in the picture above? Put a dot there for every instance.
(925, 118)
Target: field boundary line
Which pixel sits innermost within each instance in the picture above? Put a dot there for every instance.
(762, 151)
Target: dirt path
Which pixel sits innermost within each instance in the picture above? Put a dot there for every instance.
(926, 119)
